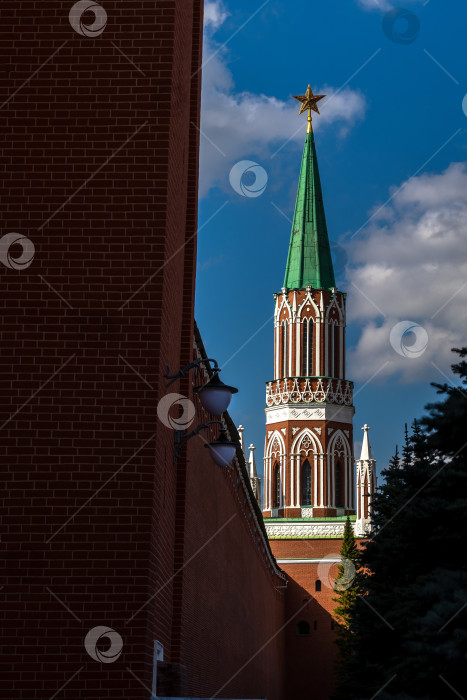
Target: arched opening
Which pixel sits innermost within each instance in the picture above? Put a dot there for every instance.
(338, 490)
(306, 483)
(276, 486)
(336, 372)
(331, 339)
(285, 348)
(317, 585)
(307, 347)
(303, 628)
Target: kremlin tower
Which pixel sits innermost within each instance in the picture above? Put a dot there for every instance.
(309, 467)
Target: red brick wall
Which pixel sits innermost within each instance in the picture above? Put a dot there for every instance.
(233, 604)
(309, 660)
(233, 594)
(99, 170)
(99, 528)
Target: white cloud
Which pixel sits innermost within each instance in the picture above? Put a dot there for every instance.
(411, 263)
(215, 14)
(243, 125)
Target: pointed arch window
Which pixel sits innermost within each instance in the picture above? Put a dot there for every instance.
(332, 337)
(285, 348)
(307, 347)
(336, 351)
(338, 485)
(276, 486)
(306, 483)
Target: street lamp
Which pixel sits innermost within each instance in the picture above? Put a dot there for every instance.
(215, 397)
(222, 449)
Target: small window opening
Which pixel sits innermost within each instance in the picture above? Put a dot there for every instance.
(303, 628)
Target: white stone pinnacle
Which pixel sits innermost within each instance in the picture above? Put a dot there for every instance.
(242, 441)
(252, 462)
(366, 447)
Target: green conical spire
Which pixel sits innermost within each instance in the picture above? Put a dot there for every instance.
(309, 260)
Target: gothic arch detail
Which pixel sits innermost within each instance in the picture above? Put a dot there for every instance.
(308, 301)
(340, 469)
(276, 445)
(312, 442)
(334, 305)
(275, 458)
(339, 444)
(279, 316)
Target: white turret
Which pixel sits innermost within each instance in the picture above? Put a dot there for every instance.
(251, 466)
(366, 486)
(366, 447)
(252, 463)
(241, 430)
(254, 478)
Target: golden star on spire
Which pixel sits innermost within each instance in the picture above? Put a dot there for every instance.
(309, 101)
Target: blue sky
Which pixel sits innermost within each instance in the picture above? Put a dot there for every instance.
(392, 152)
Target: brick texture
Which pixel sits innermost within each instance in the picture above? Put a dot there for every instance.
(310, 670)
(99, 158)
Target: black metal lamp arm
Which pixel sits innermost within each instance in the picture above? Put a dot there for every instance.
(181, 438)
(191, 365)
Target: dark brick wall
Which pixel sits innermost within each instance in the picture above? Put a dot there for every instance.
(99, 161)
(99, 171)
(234, 596)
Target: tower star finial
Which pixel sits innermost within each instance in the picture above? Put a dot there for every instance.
(309, 101)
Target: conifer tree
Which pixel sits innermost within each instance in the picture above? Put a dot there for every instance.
(445, 423)
(410, 623)
(347, 587)
(406, 449)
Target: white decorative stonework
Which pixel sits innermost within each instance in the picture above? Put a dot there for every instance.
(283, 431)
(318, 430)
(275, 446)
(338, 414)
(306, 529)
(330, 430)
(362, 528)
(295, 430)
(291, 390)
(307, 513)
(347, 432)
(270, 432)
(306, 443)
